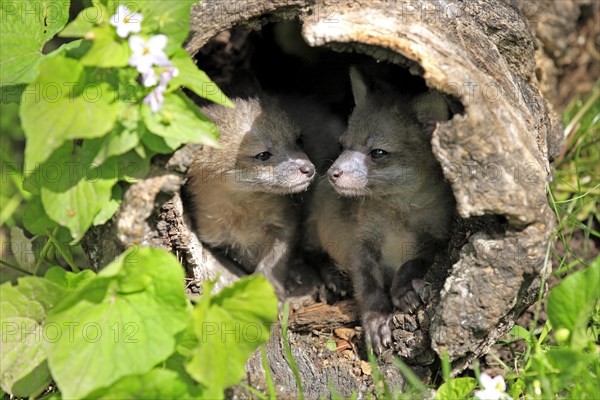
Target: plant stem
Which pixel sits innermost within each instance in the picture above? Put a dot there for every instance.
(16, 268)
(38, 263)
(63, 252)
(288, 350)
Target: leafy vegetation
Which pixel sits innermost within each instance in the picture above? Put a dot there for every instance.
(129, 331)
(91, 124)
(68, 160)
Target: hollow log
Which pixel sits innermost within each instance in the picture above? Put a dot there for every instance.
(498, 59)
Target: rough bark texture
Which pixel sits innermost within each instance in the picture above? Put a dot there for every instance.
(497, 58)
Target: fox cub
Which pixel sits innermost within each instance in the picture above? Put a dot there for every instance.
(240, 192)
(384, 209)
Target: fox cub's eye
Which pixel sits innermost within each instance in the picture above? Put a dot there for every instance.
(300, 142)
(378, 153)
(264, 156)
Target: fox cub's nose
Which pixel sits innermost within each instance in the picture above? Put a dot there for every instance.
(307, 169)
(334, 174)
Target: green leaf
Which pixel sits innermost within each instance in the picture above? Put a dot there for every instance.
(72, 192)
(26, 26)
(572, 302)
(161, 145)
(131, 93)
(22, 249)
(75, 49)
(35, 219)
(331, 345)
(107, 50)
(457, 388)
(85, 21)
(521, 333)
(230, 326)
(129, 312)
(111, 207)
(186, 342)
(516, 388)
(196, 80)
(180, 119)
(75, 192)
(171, 18)
(160, 383)
(67, 103)
(561, 365)
(66, 279)
(127, 167)
(125, 136)
(23, 309)
(11, 93)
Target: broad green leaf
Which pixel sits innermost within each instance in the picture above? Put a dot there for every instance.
(457, 388)
(572, 302)
(67, 104)
(127, 167)
(111, 207)
(125, 136)
(72, 191)
(171, 18)
(66, 279)
(130, 93)
(22, 249)
(77, 207)
(23, 309)
(160, 383)
(26, 26)
(129, 312)
(180, 119)
(196, 80)
(563, 365)
(11, 93)
(75, 49)
(521, 333)
(161, 145)
(230, 326)
(108, 50)
(85, 21)
(186, 342)
(516, 388)
(35, 219)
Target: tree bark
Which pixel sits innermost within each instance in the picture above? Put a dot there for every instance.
(498, 58)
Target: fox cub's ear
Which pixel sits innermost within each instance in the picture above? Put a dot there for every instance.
(430, 108)
(359, 86)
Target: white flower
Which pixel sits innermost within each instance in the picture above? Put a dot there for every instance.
(126, 22)
(493, 388)
(155, 98)
(168, 73)
(149, 78)
(148, 53)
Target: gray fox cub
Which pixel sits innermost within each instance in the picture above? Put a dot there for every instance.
(239, 193)
(384, 209)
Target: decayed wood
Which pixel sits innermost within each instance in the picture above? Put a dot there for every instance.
(324, 316)
(497, 57)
